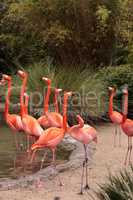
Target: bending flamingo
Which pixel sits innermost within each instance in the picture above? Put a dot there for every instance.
(127, 126)
(85, 135)
(30, 124)
(115, 116)
(13, 120)
(51, 137)
(52, 119)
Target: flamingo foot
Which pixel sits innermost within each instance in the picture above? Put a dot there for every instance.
(80, 193)
(87, 187)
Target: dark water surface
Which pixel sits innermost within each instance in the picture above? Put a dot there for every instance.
(14, 163)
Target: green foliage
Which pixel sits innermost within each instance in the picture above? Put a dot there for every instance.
(118, 77)
(70, 32)
(118, 187)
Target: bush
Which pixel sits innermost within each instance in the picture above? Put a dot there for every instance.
(118, 76)
(118, 187)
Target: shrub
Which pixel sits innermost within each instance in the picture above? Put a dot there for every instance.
(118, 187)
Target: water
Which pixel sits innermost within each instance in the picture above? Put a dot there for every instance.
(14, 163)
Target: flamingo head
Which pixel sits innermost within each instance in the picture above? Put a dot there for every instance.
(6, 78)
(22, 74)
(80, 120)
(125, 91)
(67, 94)
(111, 89)
(47, 80)
(58, 90)
(26, 96)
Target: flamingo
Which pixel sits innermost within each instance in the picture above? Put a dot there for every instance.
(30, 124)
(127, 126)
(13, 120)
(115, 116)
(52, 136)
(85, 135)
(52, 119)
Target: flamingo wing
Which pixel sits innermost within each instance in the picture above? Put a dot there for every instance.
(55, 119)
(14, 121)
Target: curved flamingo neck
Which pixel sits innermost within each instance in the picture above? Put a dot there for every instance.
(111, 103)
(81, 122)
(7, 99)
(56, 102)
(23, 88)
(125, 108)
(46, 102)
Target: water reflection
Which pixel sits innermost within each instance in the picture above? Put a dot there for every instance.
(14, 163)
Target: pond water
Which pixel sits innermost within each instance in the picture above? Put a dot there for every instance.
(14, 164)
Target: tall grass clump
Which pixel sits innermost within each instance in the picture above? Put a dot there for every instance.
(84, 83)
(118, 187)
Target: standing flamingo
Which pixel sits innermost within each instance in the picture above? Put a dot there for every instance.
(51, 137)
(127, 126)
(85, 135)
(56, 119)
(13, 120)
(30, 124)
(115, 116)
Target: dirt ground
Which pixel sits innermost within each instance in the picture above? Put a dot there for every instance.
(107, 159)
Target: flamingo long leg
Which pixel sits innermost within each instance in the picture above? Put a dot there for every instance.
(86, 163)
(16, 141)
(119, 136)
(115, 135)
(54, 167)
(43, 159)
(28, 142)
(82, 177)
(33, 155)
(128, 148)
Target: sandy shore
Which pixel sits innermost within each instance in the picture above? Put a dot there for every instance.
(107, 158)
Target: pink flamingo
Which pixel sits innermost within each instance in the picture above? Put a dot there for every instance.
(13, 120)
(85, 135)
(52, 119)
(30, 124)
(115, 116)
(127, 126)
(51, 137)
